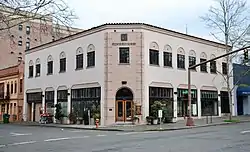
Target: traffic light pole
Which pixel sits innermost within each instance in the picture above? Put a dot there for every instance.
(190, 121)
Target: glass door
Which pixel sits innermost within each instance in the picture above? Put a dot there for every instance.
(119, 110)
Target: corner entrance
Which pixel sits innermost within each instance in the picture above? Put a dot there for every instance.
(124, 105)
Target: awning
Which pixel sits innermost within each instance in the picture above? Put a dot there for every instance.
(243, 91)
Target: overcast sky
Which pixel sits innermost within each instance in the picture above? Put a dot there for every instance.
(170, 14)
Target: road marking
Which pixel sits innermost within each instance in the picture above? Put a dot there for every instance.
(76, 131)
(1, 146)
(22, 143)
(126, 133)
(18, 134)
(244, 132)
(101, 135)
(57, 139)
(80, 137)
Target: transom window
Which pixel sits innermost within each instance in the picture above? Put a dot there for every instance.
(124, 54)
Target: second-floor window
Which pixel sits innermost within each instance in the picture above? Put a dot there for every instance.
(192, 61)
(11, 88)
(79, 61)
(153, 57)
(224, 68)
(63, 65)
(50, 67)
(91, 59)
(15, 89)
(27, 30)
(167, 59)
(21, 86)
(124, 55)
(31, 72)
(20, 27)
(180, 61)
(213, 68)
(38, 70)
(8, 88)
(27, 45)
(203, 66)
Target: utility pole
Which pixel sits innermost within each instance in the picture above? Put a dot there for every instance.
(190, 121)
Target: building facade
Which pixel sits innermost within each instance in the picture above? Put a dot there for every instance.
(11, 92)
(26, 34)
(109, 68)
(242, 89)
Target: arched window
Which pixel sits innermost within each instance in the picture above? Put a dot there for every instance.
(79, 58)
(167, 56)
(154, 54)
(192, 58)
(91, 56)
(49, 65)
(38, 68)
(213, 68)
(181, 58)
(31, 69)
(62, 62)
(203, 58)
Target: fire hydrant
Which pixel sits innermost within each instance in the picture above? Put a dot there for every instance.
(97, 123)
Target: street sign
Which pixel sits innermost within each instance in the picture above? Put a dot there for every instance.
(160, 113)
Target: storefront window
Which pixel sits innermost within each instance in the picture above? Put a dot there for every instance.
(49, 102)
(209, 103)
(86, 101)
(62, 98)
(182, 102)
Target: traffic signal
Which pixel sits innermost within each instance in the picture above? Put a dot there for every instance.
(246, 55)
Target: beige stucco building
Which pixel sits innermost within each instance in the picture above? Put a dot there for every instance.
(11, 92)
(113, 66)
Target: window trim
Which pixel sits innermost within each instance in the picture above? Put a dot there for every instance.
(124, 49)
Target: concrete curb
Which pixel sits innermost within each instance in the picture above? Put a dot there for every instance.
(200, 126)
(123, 130)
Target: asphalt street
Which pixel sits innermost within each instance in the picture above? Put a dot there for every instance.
(230, 138)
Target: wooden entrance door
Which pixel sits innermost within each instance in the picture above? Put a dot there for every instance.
(123, 110)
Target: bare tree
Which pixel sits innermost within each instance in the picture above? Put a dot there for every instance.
(229, 21)
(15, 12)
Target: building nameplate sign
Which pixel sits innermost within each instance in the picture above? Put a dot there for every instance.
(123, 43)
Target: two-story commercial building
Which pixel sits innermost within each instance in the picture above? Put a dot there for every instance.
(109, 68)
(11, 92)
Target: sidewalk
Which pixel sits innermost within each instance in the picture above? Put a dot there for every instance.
(181, 124)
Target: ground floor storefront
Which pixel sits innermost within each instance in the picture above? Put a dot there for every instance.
(82, 105)
(13, 108)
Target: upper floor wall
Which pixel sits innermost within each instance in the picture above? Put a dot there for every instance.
(77, 61)
(175, 54)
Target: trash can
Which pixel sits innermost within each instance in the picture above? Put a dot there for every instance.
(6, 118)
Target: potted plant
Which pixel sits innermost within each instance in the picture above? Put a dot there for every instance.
(58, 115)
(167, 113)
(149, 120)
(155, 108)
(72, 118)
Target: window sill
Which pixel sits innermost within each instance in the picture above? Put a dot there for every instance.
(89, 67)
(204, 72)
(213, 73)
(170, 67)
(37, 76)
(193, 70)
(154, 65)
(30, 77)
(78, 69)
(62, 71)
(49, 73)
(183, 69)
(124, 64)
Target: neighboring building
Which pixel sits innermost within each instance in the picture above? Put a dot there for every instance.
(27, 34)
(241, 77)
(11, 92)
(113, 66)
